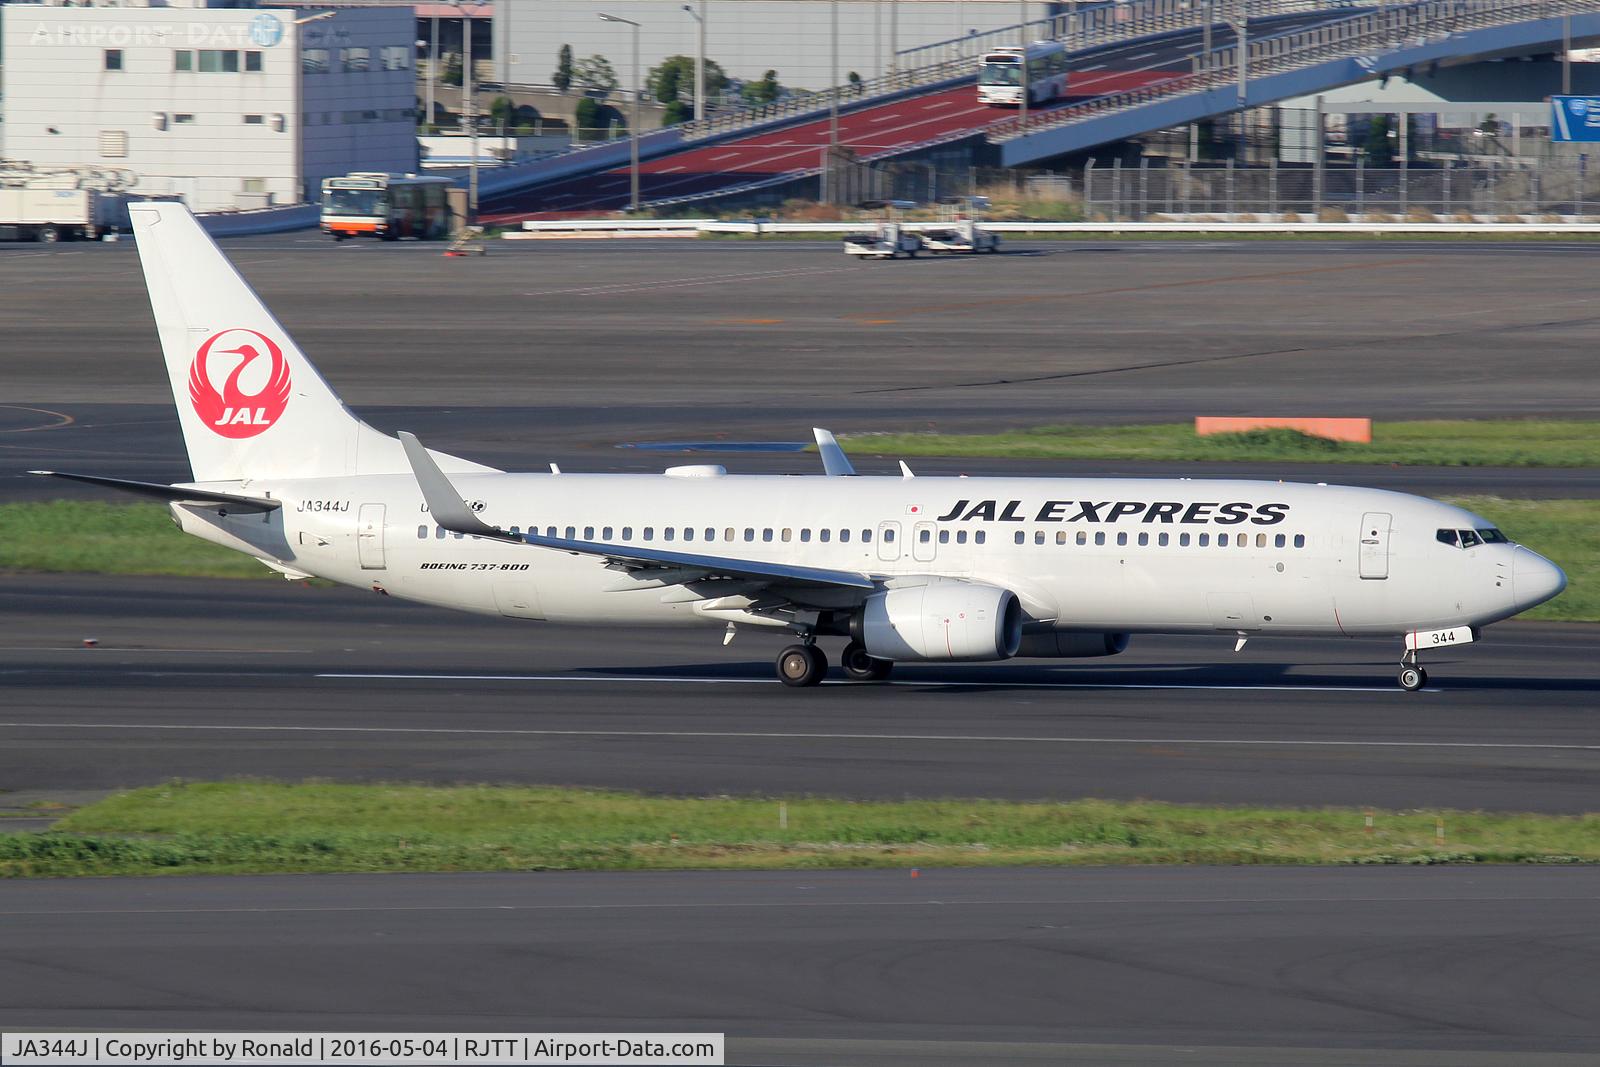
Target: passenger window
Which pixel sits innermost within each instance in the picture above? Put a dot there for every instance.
(515, 531)
(1299, 540)
(766, 534)
(979, 537)
(572, 532)
(944, 537)
(1144, 539)
(844, 535)
(1204, 540)
(1222, 540)
(824, 535)
(549, 531)
(787, 534)
(711, 535)
(888, 535)
(866, 535)
(688, 533)
(1279, 541)
(749, 534)
(1020, 537)
(1243, 540)
(1061, 537)
(1183, 540)
(588, 533)
(1099, 537)
(422, 532)
(1162, 540)
(649, 533)
(925, 536)
(961, 537)
(627, 533)
(1122, 538)
(459, 536)
(668, 533)
(606, 533)
(727, 535)
(439, 532)
(805, 534)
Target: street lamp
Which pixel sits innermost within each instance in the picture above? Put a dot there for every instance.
(633, 113)
(699, 59)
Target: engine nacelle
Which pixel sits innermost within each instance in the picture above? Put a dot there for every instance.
(943, 621)
(1056, 644)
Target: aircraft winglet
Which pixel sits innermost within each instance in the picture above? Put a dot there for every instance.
(444, 503)
(834, 462)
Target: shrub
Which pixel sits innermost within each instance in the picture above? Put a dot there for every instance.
(588, 117)
(1290, 217)
(1377, 215)
(675, 112)
(1421, 214)
(595, 72)
(1333, 214)
(1464, 216)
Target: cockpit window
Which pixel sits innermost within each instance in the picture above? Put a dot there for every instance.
(1472, 538)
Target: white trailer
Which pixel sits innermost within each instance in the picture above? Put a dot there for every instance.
(959, 230)
(35, 214)
(888, 239)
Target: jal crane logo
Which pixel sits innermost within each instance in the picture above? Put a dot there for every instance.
(232, 411)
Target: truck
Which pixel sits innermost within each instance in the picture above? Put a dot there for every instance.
(32, 213)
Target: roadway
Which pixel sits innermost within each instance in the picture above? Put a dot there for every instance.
(209, 679)
(871, 130)
(1371, 967)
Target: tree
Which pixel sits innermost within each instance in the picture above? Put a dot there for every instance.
(594, 119)
(675, 112)
(1377, 150)
(765, 91)
(854, 80)
(562, 78)
(594, 72)
(452, 70)
(500, 111)
(673, 79)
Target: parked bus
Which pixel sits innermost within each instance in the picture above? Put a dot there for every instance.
(387, 206)
(1000, 75)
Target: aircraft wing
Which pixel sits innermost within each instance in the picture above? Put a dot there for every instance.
(176, 494)
(450, 511)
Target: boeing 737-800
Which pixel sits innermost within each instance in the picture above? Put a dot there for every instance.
(904, 568)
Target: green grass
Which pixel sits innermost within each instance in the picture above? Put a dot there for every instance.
(260, 827)
(1462, 443)
(91, 537)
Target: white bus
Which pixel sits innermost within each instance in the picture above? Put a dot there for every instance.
(1000, 75)
(386, 206)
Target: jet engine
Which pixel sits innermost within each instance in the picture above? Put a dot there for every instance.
(942, 621)
(1056, 644)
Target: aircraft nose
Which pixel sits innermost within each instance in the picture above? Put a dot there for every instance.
(1534, 579)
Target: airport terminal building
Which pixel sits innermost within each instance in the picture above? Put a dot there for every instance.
(229, 108)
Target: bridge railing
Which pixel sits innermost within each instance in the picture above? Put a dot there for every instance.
(1366, 34)
(1090, 27)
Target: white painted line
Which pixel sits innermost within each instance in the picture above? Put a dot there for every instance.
(1097, 66)
(900, 682)
(670, 170)
(725, 155)
(1221, 742)
(937, 104)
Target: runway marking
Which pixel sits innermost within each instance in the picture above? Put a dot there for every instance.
(61, 419)
(468, 731)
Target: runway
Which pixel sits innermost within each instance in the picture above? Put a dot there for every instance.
(1243, 966)
(209, 679)
(561, 351)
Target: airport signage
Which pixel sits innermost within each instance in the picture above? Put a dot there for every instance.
(1575, 118)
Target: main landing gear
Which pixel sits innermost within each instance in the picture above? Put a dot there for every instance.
(806, 665)
(1412, 676)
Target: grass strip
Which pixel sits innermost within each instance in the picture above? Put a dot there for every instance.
(1442, 443)
(75, 537)
(265, 827)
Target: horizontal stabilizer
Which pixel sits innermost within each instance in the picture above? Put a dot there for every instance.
(176, 494)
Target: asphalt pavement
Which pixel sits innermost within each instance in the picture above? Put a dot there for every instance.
(1373, 967)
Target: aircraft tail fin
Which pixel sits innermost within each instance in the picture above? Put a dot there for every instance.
(250, 403)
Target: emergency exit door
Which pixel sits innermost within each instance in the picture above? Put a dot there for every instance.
(369, 537)
(1375, 544)
(923, 545)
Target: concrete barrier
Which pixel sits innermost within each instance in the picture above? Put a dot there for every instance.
(821, 228)
(1358, 431)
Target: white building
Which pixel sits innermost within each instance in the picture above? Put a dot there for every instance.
(229, 108)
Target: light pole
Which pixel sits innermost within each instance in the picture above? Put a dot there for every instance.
(633, 114)
(1022, 39)
(433, 63)
(469, 107)
(699, 59)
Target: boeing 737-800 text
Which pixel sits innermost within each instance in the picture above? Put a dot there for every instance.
(904, 568)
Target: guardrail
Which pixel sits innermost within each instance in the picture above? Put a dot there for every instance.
(642, 227)
(1368, 34)
(946, 61)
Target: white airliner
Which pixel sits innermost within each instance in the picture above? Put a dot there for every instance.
(904, 568)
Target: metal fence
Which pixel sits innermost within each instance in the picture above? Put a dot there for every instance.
(1117, 193)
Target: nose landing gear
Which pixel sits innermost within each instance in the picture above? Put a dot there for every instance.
(1412, 676)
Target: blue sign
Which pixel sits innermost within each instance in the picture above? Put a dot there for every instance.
(1575, 118)
(265, 30)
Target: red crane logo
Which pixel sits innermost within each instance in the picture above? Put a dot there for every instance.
(232, 412)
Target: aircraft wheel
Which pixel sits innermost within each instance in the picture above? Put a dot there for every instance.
(1412, 678)
(860, 667)
(802, 665)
